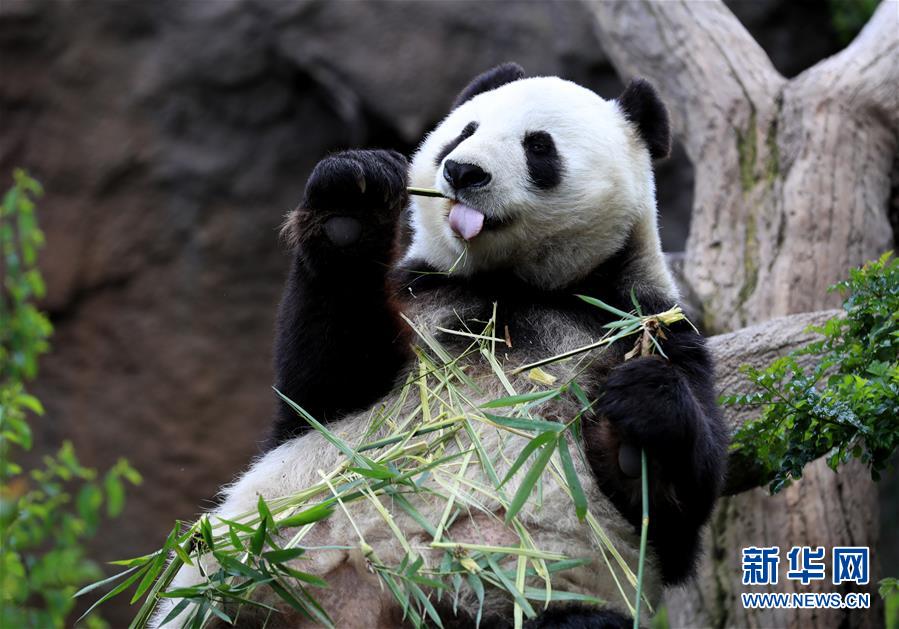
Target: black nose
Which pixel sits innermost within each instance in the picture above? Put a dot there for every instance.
(461, 176)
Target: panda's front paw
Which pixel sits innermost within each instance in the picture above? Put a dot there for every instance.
(353, 199)
(649, 403)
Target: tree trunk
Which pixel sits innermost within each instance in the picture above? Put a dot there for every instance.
(792, 189)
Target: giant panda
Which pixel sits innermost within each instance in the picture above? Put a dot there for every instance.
(549, 193)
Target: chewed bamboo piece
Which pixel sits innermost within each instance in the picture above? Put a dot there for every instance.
(425, 192)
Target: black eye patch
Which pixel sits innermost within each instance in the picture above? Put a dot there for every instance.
(467, 132)
(545, 167)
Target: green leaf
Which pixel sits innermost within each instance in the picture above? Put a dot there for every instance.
(304, 576)
(206, 532)
(512, 400)
(182, 554)
(177, 609)
(379, 472)
(284, 554)
(240, 526)
(635, 302)
(152, 572)
(115, 591)
(520, 423)
(221, 614)
(574, 483)
(530, 479)
(257, 541)
(601, 304)
(307, 516)
(526, 452)
(510, 588)
(115, 495)
(238, 569)
(235, 540)
(347, 451)
(426, 603)
(539, 594)
(106, 581)
(264, 513)
(31, 403)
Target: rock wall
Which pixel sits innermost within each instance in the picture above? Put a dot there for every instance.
(171, 137)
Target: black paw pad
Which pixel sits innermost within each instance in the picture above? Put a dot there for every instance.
(343, 231)
(629, 460)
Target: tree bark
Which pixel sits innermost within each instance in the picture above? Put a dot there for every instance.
(792, 189)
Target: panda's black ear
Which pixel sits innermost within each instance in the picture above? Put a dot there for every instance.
(641, 105)
(490, 80)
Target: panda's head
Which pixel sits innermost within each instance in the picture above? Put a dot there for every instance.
(542, 177)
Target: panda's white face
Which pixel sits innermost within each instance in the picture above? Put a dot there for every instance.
(543, 177)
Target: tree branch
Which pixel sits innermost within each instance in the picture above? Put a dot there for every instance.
(758, 346)
(710, 71)
(865, 75)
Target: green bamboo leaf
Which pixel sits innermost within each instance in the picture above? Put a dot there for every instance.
(474, 581)
(427, 582)
(283, 554)
(193, 591)
(512, 400)
(258, 539)
(199, 615)
(182, 554)
(379, 472)
(124, 585)
(243, 528)
(400, 500)
(539, 594)
(290, 598)
(106, 581)
(235, 540)
(530, 479)
(635, 302)
(566, 564)
(238, 569)
(327, 434)
(177, 609)
(307, 516)
(529, 448)
(305, 577)
(578, 392)
(150, 576)
(426, 603)
(510, 588)
(520, 423)
(221, 614)
(264, 513)
(574, 483)
(601, 304)
(416, 564)
(206, 532)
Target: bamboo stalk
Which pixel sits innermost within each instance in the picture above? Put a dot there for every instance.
(425, 192)
(644, 528)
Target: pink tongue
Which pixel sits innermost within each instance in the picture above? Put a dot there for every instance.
(466, 221)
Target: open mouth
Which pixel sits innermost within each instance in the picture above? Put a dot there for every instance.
(468, 222)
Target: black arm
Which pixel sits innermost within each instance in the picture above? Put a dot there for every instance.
(667, 408)
(339, 341)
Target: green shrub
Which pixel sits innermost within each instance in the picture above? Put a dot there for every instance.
(847, 404)
(48, 512)
(850, 16)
